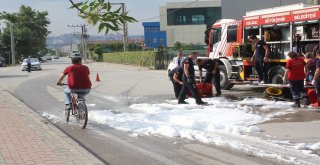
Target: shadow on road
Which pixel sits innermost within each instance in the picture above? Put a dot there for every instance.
(49, 69)
(12, 76)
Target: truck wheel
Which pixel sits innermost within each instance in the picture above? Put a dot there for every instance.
(276, 76)
(224, 81)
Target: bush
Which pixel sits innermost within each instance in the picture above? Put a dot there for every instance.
(142, 58)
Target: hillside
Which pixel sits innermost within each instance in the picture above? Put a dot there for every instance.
(64, 41)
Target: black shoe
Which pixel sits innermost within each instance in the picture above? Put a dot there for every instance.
(182, 102)
(218, 94)
(68, 107)
(305, 101)
(295, 105)
(201, 103)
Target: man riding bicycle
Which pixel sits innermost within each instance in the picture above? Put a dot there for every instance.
(78, 80)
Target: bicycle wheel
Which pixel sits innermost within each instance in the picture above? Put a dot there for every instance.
(82, 115)
(67, 114)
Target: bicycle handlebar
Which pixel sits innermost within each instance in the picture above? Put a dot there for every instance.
(62, 84)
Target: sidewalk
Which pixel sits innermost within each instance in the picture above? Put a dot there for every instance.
(27, 138)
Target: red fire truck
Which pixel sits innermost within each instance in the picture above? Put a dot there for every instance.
(285, 28)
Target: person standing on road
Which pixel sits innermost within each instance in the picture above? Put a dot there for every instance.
(78, 80)
(176, 78)
(295, 74)
(213, 73)
(316, 79)
(310, 66)
(260, 56)
(29, 63)
(177, 60)
(188, 79)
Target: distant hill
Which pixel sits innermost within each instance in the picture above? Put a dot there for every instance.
(64, 41)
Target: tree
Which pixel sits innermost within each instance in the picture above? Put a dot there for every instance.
(99, 12)
(99, 51)
(30, 30)
(178, 45)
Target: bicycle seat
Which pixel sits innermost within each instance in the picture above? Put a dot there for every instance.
(78, 95)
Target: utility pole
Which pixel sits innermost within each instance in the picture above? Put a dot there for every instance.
(125, 26)
(13, 54)
(71, 43)
(82, 43)
(85, 36)
(125, 29)
(83, 39)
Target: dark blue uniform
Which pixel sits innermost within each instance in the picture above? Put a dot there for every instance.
(209, 65)
(176, 86)
(258, 62)
(189, 83)
(317, 84)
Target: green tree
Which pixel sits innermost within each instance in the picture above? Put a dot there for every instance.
(30, 30)
(101, 13)
(178, 45)
(99, 51)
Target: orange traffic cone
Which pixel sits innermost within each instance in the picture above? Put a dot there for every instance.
(97, 78)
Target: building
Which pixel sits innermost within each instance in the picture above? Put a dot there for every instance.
(236, 9)
(153, 36)
(186, 22)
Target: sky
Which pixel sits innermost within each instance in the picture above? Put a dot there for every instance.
(215, 123)
(61, 16)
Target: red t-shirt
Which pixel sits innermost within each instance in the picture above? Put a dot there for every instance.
(78, 76)
(296, 67)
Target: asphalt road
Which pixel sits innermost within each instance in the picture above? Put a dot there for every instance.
(38, 91)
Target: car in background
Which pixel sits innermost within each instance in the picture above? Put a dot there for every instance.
(74, 53)
(43, 59)
(171, 66)
(2, 62)
(35, 64)
(48, 56)
(55, 57)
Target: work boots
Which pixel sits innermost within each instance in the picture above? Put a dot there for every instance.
(218, 94)
(305, 101)
(200, 102)
(182, 102)
(296, 103)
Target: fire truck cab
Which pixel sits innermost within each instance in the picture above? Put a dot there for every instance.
(284, 29)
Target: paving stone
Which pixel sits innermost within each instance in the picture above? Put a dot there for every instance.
(25, 138)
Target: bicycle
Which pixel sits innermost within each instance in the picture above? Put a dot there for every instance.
(78, 109)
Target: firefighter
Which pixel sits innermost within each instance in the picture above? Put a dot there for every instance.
(310, 67)
(213, 73)
(176, 78)
(188, 79)
(260, 56)
(316, 79)
(295, 74)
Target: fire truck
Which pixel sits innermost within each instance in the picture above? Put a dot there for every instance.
(284, 28)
